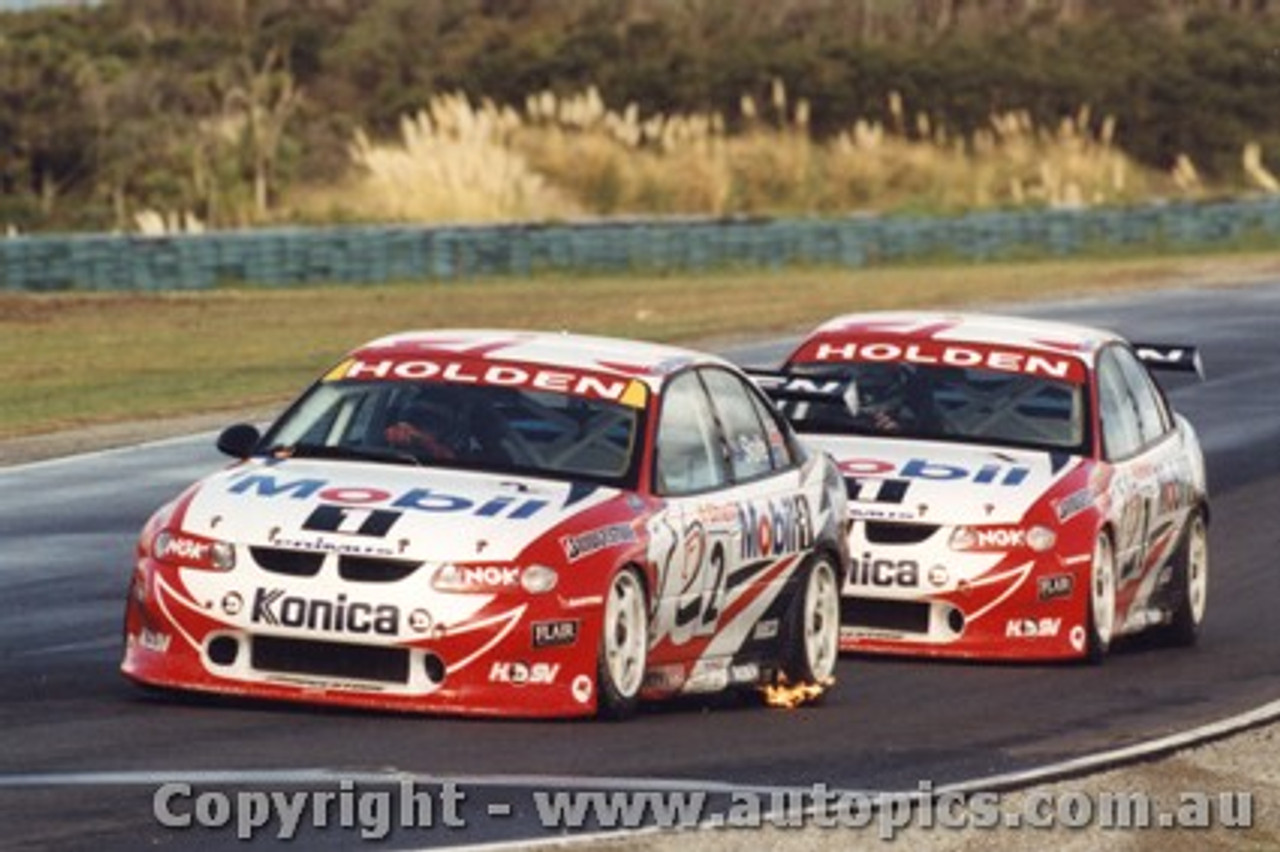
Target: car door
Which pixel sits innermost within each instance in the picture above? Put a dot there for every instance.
(1121, 448)
(1163, 470)
(691, 536)
(1140, 443)
(731, 478)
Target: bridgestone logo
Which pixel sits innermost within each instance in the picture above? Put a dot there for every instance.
(274, 608)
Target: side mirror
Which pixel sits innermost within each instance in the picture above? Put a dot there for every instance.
(239, 440)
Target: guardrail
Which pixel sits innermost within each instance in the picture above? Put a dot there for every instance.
(372, 254)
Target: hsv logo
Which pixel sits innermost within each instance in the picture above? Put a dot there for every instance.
(502, 374)
(415, 499)
(992, 473)
(274, 608)
(154, 641)
(519, 674)
(931, 352)
(1030, 628)
(869, 571)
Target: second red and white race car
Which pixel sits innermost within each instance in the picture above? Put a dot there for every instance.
(500, 523)
(1020, 489)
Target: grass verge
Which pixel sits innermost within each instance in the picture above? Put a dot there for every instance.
(70, 360)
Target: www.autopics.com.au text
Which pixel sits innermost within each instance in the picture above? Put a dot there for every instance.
(375, 811)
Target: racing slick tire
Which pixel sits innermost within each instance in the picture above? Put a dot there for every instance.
(813, 626)
(624, 646)
(1190, 585)
(1101, 623)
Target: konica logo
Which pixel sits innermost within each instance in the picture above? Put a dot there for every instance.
(276, 608)
(872, 571)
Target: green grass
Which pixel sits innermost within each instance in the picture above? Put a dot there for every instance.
(70, 359)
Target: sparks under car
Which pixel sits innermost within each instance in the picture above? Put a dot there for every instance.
(1019, 489)
(499, 523)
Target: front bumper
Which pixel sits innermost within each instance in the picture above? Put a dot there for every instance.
(1025, 607)
(516, 655)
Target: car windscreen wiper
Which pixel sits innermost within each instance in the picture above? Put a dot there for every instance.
(330, 451)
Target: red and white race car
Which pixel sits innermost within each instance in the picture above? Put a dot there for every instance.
(500, 523)
(1020, 489)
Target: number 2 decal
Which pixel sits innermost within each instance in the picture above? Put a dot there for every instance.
(713, 592)
(702, 594)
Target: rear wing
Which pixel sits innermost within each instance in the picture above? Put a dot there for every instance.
(1172, 358)
(786, 387)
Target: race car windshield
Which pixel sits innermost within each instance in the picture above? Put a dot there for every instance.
(944, 403)
(477, 427)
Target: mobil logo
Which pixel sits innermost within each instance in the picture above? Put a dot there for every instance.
(988, 473)
(413, 499)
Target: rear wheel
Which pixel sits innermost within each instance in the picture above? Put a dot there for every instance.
(624, 646)
(1102, 600)
(814, 621)
(1191, 585)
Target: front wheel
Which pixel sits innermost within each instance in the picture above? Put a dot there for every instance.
(1191, 585)
(1102, 600)
(624, 646)
(814, 620)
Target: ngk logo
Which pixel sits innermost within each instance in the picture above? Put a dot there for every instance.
(475, 578)
(519, 674)
(181, 547)
(490, 576)
(1030, 628)
(1003, 538)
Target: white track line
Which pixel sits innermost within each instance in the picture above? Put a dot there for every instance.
(1122, 756)
(312, 776)
(89, 455)
(1050, 772)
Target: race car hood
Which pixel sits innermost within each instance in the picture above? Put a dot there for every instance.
(428, 514)
(942, 483)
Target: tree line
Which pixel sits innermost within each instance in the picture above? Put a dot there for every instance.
(219, 106)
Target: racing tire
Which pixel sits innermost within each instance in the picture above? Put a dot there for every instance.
(1101, 625)
(624, 646)
(1190, 585)
(813, 626)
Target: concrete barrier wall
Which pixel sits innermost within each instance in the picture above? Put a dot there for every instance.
(372, 254)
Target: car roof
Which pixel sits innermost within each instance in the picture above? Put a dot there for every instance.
(649, 362)
(1050, 337)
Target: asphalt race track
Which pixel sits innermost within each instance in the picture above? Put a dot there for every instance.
(83, 752)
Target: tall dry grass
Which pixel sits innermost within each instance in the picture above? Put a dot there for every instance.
(569, 156)
(455, 161)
